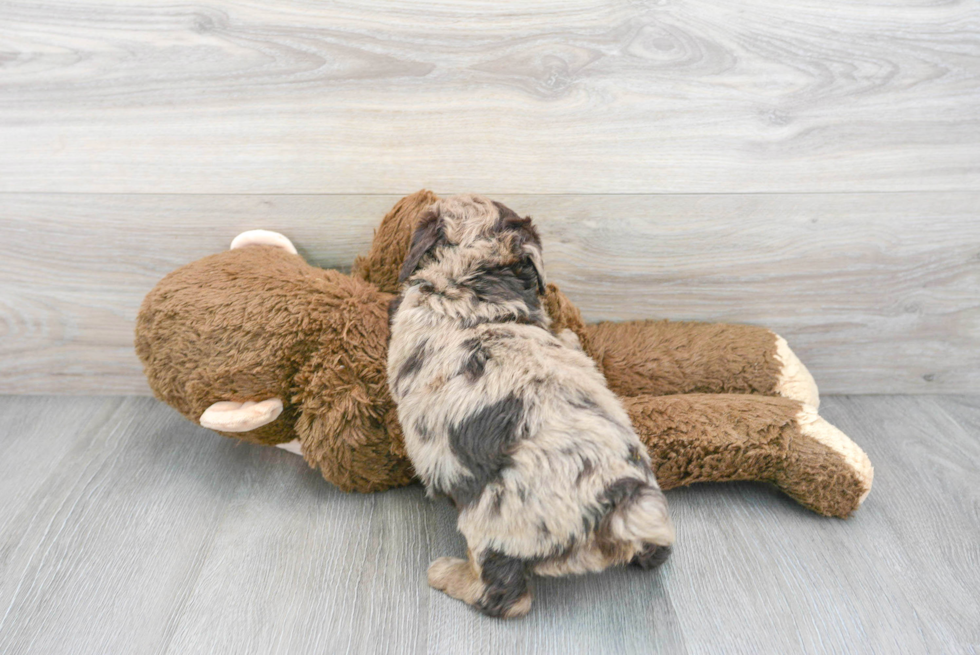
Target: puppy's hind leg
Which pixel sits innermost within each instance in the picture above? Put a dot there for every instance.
(506, 593)
(498, 587)
(651, 557)
(456, 577)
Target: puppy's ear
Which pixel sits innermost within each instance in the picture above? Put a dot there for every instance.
(526, 239)
(532, 255)
(428, 235)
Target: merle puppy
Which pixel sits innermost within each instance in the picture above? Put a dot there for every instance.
(513, 423)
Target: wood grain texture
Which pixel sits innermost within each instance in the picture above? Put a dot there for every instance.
(505, 97)
(144, 533)
(877, 293)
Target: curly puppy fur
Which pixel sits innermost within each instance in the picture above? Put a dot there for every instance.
(513, 423)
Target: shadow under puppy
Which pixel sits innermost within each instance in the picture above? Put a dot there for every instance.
(513, 423)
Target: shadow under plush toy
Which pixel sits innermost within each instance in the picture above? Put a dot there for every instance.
(258, 345)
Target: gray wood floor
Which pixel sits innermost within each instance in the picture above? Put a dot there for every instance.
(126, 529)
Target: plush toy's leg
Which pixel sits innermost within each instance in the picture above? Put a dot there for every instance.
(793, 379)
(721, 437)
(227, 416)
(262, 238)
(498, 588)
(351, 448)
(667, 357)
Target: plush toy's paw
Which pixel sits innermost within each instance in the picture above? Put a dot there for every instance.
(263, 238)
(793, 380)
(814, 426)
(229, 416)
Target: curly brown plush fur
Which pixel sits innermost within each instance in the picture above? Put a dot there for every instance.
(258, 322)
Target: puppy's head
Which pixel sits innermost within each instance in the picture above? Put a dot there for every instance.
(468, 236)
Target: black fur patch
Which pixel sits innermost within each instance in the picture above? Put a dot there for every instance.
(475, 359)
(525, 234)
(509, 220)
(504, 284)
(498, 501)
(428, 235)
(483, 443)
(393, 309)
(413, 363)
(423, 432)
(588, 467)
(622, 491)
(617, 495)
(651, 556)
(474, 321)
(505, 580)
(582, 401)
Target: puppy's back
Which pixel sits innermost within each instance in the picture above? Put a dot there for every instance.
(522, 433)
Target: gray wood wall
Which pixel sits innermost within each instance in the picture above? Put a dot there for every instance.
(809, 166)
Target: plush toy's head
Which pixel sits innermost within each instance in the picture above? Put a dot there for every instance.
(258, 323)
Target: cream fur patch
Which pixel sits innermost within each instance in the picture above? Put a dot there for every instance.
(263, 238)
(292, 446)
(794, 380)
(227, 416)
(814, 426)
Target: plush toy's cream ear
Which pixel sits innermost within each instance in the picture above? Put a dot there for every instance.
(229, 416)
(263, 238)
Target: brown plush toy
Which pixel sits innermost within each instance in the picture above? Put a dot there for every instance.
(258, 345)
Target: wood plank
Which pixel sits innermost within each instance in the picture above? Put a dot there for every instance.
(897, 576)
(102, 556)
(876, 292)
(38, 432)
(301, 567)
(588, 96)
(150, 534)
